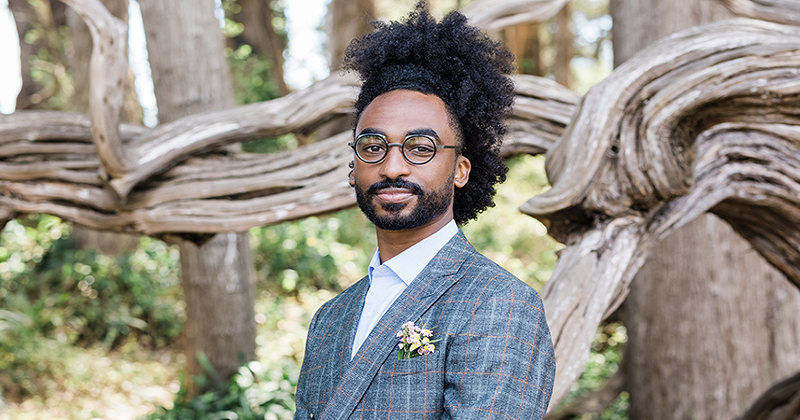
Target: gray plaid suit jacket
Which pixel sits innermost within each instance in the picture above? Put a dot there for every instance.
(495, 358)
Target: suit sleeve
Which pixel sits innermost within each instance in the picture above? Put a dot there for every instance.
(301, 394)
(501, 364)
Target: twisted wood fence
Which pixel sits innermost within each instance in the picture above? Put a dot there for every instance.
(706, 120)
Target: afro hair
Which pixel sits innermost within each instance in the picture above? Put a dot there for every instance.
(461, 65)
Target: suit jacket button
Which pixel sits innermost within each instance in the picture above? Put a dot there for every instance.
(310, 415)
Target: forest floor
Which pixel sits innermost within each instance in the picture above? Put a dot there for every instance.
(124, 384)
(129, 382)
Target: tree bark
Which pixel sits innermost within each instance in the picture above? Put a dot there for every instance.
(78, 58)
(710, 327)
(494, 15)
(349, 19)
(257, 16)
(186, 52)
(523, 41)
(218, 285)
(564, 50)
(710, 324)
(191, 75)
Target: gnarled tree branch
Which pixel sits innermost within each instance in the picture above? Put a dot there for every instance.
(494, 15)
(108, 72)
(780, 402)
(48, 165)
(705, 120)
(779, 11)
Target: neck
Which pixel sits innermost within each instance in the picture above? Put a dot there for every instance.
(393, 242)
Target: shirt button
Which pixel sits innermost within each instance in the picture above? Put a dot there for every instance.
(311, 415)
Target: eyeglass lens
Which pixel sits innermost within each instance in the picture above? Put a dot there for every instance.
(416, 149)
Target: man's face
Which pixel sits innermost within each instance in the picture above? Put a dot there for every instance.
(393, 193)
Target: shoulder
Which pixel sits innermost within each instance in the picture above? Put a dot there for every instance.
(344, 300)
(487, 280)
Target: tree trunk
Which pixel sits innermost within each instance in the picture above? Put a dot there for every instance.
(191, 75)
(522, 40)
(257, 16)
(218, 285)
(349, 19)
(710, 324)
(564, 50)
(186, 52)
(50, 15)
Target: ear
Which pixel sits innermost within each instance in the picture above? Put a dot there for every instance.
(463, 166)
(352, 178)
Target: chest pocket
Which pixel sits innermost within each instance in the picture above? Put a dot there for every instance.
(409, 388)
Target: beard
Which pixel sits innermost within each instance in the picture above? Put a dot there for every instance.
(429, 204)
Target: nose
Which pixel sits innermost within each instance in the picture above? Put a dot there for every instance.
(394, 165)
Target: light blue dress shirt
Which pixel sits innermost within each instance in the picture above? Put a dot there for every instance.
(388, 280)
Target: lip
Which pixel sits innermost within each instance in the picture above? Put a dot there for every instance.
(394, 195)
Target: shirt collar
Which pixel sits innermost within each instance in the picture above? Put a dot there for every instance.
(408, 264)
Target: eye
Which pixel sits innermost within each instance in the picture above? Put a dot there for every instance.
(371, 145)
(420, 146)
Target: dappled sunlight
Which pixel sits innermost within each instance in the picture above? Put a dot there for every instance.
(90, 383)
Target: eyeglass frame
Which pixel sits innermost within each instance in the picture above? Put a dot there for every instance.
(400, 145)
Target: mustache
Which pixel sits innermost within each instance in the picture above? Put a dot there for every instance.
(395, 183)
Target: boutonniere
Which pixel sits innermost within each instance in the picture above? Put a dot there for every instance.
(414, 341)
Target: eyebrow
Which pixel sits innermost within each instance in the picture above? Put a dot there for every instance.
(426, 131)
(370, 130)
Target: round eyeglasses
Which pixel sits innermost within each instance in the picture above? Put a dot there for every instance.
(417, 149)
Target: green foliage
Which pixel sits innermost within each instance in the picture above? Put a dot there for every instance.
(250, 69)
(49, 291)
(24, 357)
(83, 296)
(250, 74)
(63, 381)
(603, 362)
(313, 253)
(47, 64)
(279, 144)
(254, 392)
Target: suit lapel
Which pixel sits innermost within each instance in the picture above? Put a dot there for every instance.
(437, 277)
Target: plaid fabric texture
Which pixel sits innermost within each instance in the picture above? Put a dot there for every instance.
(494, 361)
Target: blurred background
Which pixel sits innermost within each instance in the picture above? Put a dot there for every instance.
(93, 327)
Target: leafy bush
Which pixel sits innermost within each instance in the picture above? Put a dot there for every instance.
(51, 293)
(254, 392)
(604, 360)
(313, 253)
(84, 297)
(23, 357)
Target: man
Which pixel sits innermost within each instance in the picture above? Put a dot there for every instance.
(435, 330)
